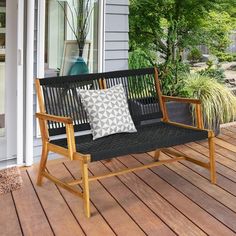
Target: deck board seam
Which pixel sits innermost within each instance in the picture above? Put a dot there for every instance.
(223, 176)
(188, 196)
(31, 181)
(117, 177)
(164, 198)
(202, 189)
(17, 214)
(119, 204)
(93, 203)
(218, 152)
(218, 163)
(59, 190)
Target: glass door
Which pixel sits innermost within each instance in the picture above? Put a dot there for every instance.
(2, 79)
(9, 79)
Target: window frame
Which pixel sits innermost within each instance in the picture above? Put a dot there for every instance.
(41, 42)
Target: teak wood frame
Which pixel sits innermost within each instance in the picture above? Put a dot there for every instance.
(84, 160)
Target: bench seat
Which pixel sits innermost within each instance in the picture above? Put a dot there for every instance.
(148, 138)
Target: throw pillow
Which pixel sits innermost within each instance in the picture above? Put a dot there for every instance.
(107, 111)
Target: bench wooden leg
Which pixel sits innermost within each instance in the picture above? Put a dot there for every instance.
(156, 155)
(212, 159)
(42, 164)
(85, 186)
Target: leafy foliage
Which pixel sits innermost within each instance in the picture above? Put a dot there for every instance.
(194, 55)
(170, 26)
(171, 77)
(215, 73)
(141, 59)
(225, 56)
(217, 29)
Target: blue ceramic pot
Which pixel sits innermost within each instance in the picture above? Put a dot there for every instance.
(79, 67)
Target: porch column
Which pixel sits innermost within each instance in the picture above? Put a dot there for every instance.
(29, 83)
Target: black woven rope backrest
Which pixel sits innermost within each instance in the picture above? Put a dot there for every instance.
(141, 93)
(61, 96)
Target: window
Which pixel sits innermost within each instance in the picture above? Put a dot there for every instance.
(71, 37)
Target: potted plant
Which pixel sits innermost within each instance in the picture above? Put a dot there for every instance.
(77, 16)
(218, 102)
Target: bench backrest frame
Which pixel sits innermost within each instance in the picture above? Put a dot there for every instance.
(100, 81)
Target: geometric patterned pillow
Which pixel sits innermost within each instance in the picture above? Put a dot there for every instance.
(107, 111)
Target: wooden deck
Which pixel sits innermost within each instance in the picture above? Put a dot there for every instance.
(175, 199)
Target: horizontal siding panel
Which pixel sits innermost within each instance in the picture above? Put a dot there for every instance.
(121, 36)
(112, 55)
(113, 65)
(117, 2)
(117, 9)
(117, 23)
(116, 46)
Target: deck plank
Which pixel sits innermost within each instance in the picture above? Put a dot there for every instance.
(96, 225)
(114, 214)
(142, 215)
(223, 179)
(181, 202)
(206, 202)
(216, 192)
(57, 211)
(167, 200)
(226, 156)
(227, 166)
(167, 212)
(30, 210)
(9, 223)
(226, 145)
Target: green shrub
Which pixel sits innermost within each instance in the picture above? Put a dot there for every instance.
(218, 102)
(194, 55)
(140, 58)
(225, 57)
(172, 77)
(215, 73)
(234, 56)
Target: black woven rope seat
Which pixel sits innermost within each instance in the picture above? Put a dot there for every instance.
(62, 113)
(148, 138)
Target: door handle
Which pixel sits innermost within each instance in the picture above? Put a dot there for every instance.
(19, 61)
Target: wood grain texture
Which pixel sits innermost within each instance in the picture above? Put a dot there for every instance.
(114, 214)
(171, 199)
(135, 207)
(202, 199)
(181, 202)
(167, 212)
(96, 225)
(30, 210)
(10, 224)
(180, 99)
(57, 211)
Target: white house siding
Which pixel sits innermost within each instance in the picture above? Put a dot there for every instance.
(116, 34)
(116, 45)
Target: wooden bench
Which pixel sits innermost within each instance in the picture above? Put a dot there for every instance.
(61, 112)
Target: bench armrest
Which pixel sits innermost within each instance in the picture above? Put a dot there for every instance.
(61, 119)
(196, 102)
(43, 118)
(179, 99)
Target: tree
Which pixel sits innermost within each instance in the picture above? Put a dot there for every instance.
(217, 29)
(170, 26)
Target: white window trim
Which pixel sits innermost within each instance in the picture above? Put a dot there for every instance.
(41, 43)
(20, 83)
